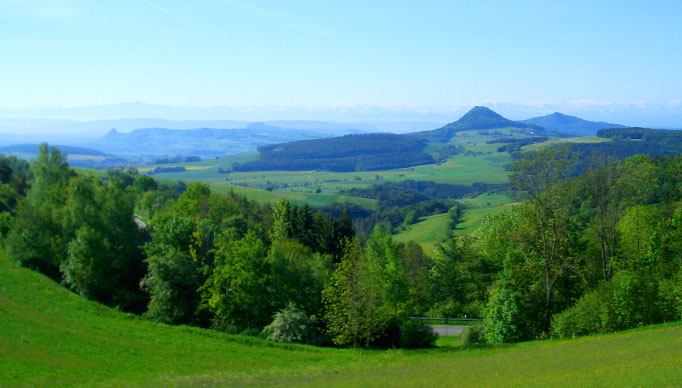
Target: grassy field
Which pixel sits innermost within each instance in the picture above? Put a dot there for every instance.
(50, 336)
(471, 219)
(298, 199)
(428, 232)
(431, 230)
(582, 139)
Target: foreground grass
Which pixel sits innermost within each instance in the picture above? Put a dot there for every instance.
(49, 336)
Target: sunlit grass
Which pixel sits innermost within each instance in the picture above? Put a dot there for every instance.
(52, 337)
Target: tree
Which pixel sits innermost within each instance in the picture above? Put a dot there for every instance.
(37, 240)
(298, 275)
(350, 301)
(459, 277)
(386, 272)
(281, 220)
(172, 280)
(172, 284)
(548, 237)
(240, 289)
(604, 185)
(639, 172)
(635, 229)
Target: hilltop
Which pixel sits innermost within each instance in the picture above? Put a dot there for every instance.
(570, 125)
(478, 118)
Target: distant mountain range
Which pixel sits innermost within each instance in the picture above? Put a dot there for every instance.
(147, 139)
(570, 125)
(203, 142)
(658, 115)
(478, 118)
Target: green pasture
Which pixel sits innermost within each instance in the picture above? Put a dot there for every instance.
(430, 231)
(581, 139)
(312, 199)
(427, 232)
(471, 219)
(50, 336)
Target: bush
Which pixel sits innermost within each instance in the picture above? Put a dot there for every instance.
(389, 337)
(473, 335)
(586, 317)
(416, 334)
(629, 300)
(293, 325)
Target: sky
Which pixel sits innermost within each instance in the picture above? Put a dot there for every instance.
(436, 56)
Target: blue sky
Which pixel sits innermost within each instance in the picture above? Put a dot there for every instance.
(400, 54)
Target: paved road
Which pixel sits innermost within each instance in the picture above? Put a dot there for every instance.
(448, 330)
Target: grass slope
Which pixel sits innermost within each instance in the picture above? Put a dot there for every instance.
(50, 336)
(431, 230)
(428, 232)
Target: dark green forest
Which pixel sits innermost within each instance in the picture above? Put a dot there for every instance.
(588, 252)
(345, 153)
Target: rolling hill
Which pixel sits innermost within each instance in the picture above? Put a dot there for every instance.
(570, 125)
(478, 118)
(50, 336)
(367, 152)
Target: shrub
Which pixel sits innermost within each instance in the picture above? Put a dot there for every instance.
(389, 337)
(629, 300)
(586, 317)
(473, 335)
(416, 334)
(293, 325)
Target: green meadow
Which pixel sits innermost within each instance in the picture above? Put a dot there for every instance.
(50, 336)
(430, 231)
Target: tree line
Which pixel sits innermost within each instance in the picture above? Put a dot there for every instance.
(587, 254)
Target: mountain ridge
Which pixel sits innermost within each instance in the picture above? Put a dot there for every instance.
(570, 125)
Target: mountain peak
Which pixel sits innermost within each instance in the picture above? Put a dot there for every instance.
(478, 118)
(482, 115)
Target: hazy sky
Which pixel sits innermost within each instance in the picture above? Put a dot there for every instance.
(323, 53)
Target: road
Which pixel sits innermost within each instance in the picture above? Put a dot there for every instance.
(448, 330)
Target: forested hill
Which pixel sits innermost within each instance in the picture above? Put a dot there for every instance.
(626, 142)
(346, 153)
(478, 117)
(570, 125)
